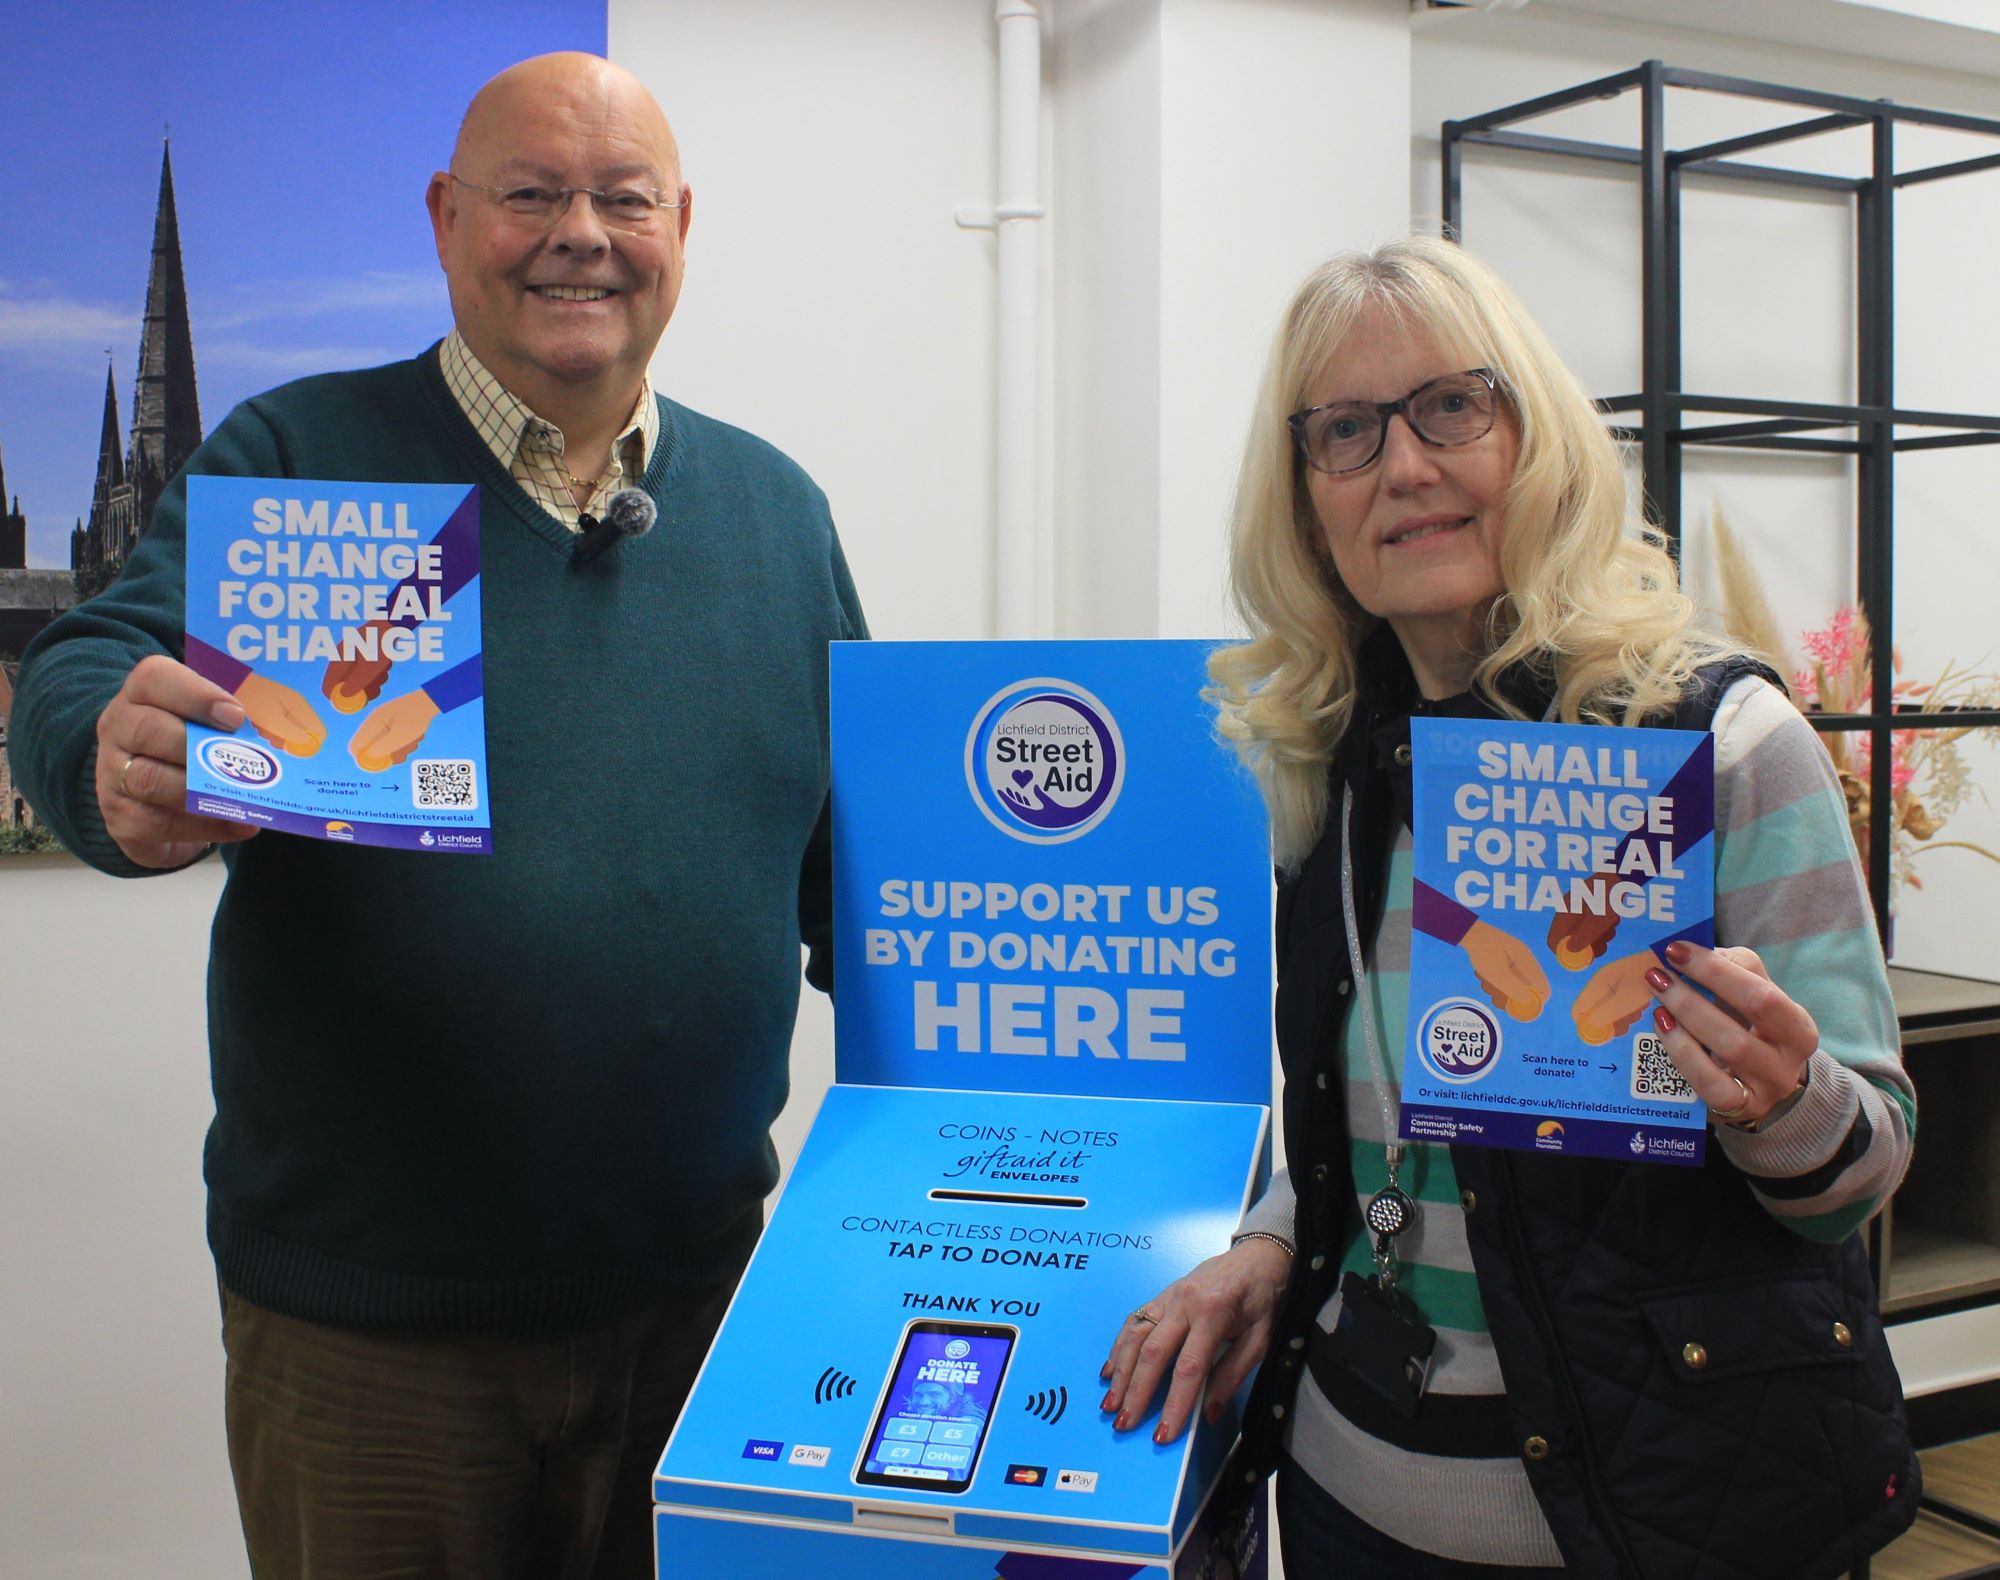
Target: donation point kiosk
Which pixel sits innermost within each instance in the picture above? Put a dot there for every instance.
(1052, 997)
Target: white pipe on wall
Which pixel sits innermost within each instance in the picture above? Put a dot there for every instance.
(1023, 543)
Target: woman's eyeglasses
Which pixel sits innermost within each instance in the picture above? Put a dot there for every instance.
(1347, 435)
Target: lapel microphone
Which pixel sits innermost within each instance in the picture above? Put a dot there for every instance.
(629, 513)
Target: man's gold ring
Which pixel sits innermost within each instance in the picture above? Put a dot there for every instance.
(1730, 1115)
(122, 772)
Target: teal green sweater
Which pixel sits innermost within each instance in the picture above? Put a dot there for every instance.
(508, 1093)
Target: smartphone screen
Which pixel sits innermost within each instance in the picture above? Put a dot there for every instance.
(931, 1421)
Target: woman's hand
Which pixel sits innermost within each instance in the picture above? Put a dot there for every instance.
(1745, 1053)
(1212, 1327)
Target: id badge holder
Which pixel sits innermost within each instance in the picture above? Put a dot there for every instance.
(1380, 1339)
(1379, 1336)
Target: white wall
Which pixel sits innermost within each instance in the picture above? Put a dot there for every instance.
(111, 1446)
(1202, 154)
(1191, 196)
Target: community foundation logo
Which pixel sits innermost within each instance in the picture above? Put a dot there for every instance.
(1459, 1040)
(1044, 761)
(239, 762)
(1549, 1136)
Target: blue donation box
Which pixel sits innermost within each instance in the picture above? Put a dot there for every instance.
(1053, 977)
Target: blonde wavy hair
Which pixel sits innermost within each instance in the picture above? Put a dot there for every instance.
(1591, 601)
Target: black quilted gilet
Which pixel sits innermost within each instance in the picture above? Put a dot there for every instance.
(1784, 1453)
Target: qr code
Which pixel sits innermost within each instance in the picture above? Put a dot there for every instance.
(444, 782)
(1653, 1074)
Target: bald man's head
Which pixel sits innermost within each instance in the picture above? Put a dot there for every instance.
(565, 74)
(563, 297)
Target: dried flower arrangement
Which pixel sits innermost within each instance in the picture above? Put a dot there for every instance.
(1928, 777)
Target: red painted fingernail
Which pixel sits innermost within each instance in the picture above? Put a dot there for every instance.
(1679, 953)
(1663, 1020)
(1658, 980)
(1124, 1422)
(1160, 1434)
(1110, 1401)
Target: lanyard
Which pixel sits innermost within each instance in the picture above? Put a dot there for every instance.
(1390, 1210)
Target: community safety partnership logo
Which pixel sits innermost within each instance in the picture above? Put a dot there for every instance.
(1044, 761)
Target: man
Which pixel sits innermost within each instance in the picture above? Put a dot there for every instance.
(492, 1133)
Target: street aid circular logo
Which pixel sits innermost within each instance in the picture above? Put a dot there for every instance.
(957, 1350)
(239, 762)
(1044, 761)
(1458, 1040)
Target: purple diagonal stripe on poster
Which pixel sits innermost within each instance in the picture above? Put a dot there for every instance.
(457, 542)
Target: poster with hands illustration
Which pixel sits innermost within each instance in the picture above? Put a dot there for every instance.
(344, 617)
(1553, 864)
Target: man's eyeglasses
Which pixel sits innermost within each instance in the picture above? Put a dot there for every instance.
(1347, 435)
(621, 208)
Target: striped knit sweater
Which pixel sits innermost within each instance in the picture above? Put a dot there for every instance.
(1787, 883)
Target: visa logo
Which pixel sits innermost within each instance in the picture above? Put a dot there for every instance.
(760, 1448)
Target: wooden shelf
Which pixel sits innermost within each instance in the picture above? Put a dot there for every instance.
(1935, 1549)
(1965, 1477)
(1932, 1007)
(1928, 1267)
(1941, 1234)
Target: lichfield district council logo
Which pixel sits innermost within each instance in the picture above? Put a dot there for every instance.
(1044, 761)
(1459, 1040)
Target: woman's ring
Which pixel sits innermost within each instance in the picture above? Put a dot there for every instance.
(1730, 1115)
(1143, 1316)
(122, 772)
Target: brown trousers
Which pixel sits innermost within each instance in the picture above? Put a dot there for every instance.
(368, 1455)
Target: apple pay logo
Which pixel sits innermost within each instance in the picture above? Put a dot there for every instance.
(1076, 1480)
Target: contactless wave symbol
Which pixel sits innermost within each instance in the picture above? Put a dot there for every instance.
(1049, 1406)
(833, 1384)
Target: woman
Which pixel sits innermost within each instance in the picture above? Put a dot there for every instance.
(1634, 1370)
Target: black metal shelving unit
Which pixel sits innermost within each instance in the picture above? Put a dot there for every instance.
(1869, 429)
